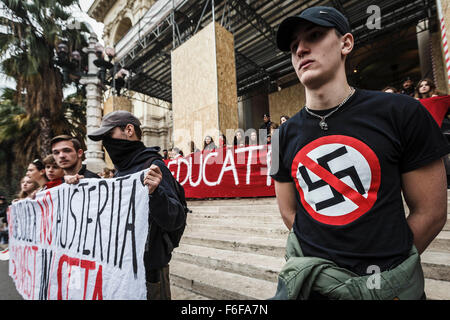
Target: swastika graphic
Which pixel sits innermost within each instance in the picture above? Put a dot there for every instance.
(323, 162)
(337, 178)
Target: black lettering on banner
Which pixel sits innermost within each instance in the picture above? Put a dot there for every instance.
(88, 220)
(63, 245)
(82, 185)
(121, 179)
(17, 224)
(141, 178)
(73, 216)
(34, 224)
(98, 225)
(27, 215)
(323, 162)
(58, 217)
(111, 220)
(20, 227)
(23, 225)
(45, 274)
(130, 227)
(14, 229)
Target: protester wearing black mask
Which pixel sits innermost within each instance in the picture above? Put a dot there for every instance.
(408, 87)
(121, 135)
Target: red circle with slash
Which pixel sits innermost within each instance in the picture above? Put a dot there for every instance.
(363, 204)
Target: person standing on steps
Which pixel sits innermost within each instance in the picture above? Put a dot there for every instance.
(340, 165)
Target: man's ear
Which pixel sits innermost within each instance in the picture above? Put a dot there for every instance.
(80, 153)
(347, 42)
(130, 132)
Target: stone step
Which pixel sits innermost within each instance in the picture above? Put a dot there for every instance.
(237, 209)
(232, 201)
(436, 265)
(247, 264)
(441, 242)
(220, 285)
(179, 293)
(447, 224)
(274, 247)
(437, 290)
(257, 230)
(238, 218)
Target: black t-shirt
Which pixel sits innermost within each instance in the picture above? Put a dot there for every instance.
(348, 178)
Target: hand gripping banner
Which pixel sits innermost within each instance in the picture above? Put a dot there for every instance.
(82, 242)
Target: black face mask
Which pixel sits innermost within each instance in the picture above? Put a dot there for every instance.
(122, 151)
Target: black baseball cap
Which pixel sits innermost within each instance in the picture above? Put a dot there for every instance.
(320, 15)
(114, 119)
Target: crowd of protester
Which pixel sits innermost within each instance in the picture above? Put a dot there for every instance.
(250, 137)
(425, 89)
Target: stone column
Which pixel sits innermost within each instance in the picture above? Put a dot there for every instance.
(94, 153)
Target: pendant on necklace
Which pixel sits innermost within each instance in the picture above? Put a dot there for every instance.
(323, 125)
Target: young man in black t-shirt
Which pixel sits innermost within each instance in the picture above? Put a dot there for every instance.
(341, 163)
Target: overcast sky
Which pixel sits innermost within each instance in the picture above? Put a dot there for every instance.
(79, 15)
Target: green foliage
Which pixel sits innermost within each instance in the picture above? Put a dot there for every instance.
(30, 32)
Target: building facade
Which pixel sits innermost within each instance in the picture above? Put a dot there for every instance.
(155, 115)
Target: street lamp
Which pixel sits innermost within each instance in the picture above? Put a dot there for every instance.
(103, 65)
(71, 65)
(107, 69)
(120, 79)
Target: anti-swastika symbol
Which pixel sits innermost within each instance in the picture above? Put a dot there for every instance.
(337, 178)
(337, 197)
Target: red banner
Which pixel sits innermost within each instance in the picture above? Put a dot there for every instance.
(224, 173)
(437, 107)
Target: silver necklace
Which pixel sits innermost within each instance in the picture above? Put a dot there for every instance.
(322, 124)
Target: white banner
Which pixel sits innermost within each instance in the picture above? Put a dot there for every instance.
(83, 242)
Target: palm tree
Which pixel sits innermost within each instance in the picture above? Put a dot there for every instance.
(19, 130)
(30, 32)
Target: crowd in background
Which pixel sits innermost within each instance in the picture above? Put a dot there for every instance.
(425, 89)
(241, 139)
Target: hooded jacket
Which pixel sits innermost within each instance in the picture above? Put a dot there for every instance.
(166, 212)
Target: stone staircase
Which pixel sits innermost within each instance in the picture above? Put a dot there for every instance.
(233, 250)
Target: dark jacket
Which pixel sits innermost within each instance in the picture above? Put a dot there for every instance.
(3, 209)
(166, 213)
(266, 125)
(86, 173)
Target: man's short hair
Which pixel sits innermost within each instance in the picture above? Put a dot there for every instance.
(137, 130)
(49, 160)
(64, 137)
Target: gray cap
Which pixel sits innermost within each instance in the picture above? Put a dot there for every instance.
(114, 119)
(320, 15)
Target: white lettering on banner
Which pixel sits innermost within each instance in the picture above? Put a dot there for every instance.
(209, 155)
(269, 164)
(199, 179)
(228, 158)
(83, 241)
(250, 150)
(183, 160)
